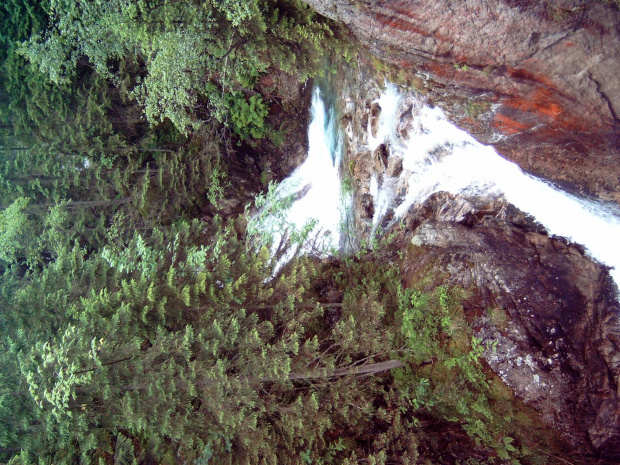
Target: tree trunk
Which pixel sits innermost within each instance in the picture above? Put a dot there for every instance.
(366, 369)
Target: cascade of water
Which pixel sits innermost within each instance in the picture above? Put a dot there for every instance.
(386, 133)
(314, 186)
(437, 156)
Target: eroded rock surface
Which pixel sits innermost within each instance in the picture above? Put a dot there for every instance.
(537, 79)
(550, 309)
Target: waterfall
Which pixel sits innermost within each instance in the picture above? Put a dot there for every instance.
(314, 204)
(437, 156)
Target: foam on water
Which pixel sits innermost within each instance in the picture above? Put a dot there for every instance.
(438, 156)
(316, 187)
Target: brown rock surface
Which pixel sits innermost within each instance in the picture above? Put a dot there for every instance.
(550, 309)
(381, 155)
(538, 80)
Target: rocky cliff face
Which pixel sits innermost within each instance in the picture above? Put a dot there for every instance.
(548, 308)
(538, 80)
(551, 310)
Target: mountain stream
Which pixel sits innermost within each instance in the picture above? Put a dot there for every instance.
(436, 156)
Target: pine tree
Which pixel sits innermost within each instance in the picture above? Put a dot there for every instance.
(179, 341)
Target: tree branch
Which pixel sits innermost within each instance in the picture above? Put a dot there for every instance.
(231, 49)
(103, 364)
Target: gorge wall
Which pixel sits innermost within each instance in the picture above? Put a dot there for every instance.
(538, 80)
(549, 308)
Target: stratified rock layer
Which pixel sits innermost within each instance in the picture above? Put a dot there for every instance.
(539, 80)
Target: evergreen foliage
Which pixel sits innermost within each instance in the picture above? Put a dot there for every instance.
(175, 344)
(187, 351)
(132, 332)
(187, 48)
(19, 19)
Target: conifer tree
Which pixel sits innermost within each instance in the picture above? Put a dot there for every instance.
(193, 51)
(181, 342)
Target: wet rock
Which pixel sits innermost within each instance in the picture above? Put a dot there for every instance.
(538, 80)
(364, 120)
(375, 113)
(364, 206)
(381, 155)
(346, 123)
(394, 167)
(407, 110)
(387, 219)
(405, 126)
(551, 311)
(441, 206)
(302, 192)
(363, 167)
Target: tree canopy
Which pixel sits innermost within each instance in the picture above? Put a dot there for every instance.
(195, 53)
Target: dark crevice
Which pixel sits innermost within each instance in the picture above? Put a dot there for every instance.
(609, 104)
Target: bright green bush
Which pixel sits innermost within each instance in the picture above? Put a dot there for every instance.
(446, 375)
(247, 116)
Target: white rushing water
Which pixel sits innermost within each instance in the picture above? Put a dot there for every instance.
(437, 156)
(315, 186)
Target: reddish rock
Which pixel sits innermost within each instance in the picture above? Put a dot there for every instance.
(547, 71)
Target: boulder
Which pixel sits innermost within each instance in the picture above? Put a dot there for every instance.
(381, 155)
(375, 113)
